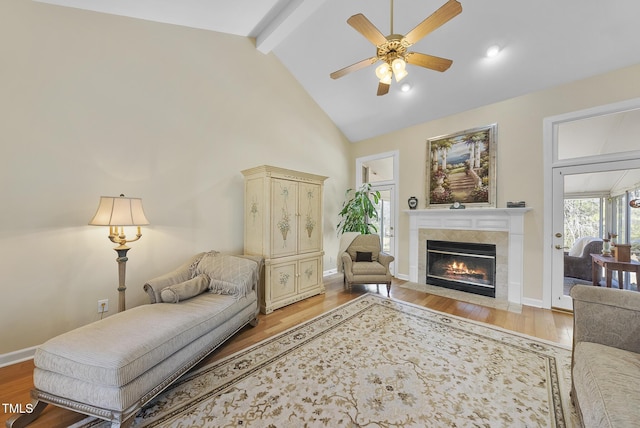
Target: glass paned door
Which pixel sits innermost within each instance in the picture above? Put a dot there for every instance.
(590, 202)
(381, 171)
(385, 222)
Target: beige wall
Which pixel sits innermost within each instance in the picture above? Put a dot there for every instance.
(93, 104)
(519, 154)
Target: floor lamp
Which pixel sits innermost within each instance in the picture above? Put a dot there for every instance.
(117, 212)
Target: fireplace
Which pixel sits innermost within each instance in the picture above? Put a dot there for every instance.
(464, 266)
(503, 227)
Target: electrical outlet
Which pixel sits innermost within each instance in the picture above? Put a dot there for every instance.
(103, 306)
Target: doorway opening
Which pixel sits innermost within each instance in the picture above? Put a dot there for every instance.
(592, 169)
(381, 171)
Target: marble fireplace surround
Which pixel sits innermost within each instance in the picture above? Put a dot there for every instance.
(503, 227)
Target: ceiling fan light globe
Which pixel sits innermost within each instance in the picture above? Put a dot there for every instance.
(401, 74)
(386, 79)
(383, 70)
(398, 64)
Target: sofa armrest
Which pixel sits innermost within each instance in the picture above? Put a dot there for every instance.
(385, 259)
(607, 316)
(154, 286)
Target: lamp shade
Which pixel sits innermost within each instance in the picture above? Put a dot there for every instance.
(119, 211)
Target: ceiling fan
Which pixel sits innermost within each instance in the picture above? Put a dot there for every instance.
(392, 49)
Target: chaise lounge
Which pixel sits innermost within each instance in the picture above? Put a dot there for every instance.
(113, 367)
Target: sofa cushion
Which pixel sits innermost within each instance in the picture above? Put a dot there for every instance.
(606, 382)
(185, 290)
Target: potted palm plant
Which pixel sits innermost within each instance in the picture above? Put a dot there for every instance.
(358, 210)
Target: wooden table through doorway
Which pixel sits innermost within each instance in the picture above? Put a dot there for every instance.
(610, 264)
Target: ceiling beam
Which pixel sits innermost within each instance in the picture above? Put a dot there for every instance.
(292, 14)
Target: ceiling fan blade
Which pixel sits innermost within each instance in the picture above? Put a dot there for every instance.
(438, 18)
(383, 88)
(353, 67)
(428, 61)
(363, 26)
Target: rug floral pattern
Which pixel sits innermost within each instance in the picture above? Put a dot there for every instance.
(377, 362)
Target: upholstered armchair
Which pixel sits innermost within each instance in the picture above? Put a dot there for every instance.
(365, 263)
(577, 262)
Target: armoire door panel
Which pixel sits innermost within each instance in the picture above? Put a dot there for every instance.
(284, 225)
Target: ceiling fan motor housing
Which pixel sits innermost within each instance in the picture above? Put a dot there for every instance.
(395, 47)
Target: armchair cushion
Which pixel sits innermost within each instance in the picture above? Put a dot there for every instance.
(368, 268)
(578, 247)
(363, 256)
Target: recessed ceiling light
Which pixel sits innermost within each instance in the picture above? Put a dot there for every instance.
(405, 87)
(493, 51)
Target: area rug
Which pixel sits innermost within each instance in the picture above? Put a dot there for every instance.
(375, 361)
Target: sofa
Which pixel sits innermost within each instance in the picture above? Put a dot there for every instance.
(605, 366)
(577, 261)
(112, 367)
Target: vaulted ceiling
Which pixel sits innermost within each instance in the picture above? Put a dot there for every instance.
(543, 43)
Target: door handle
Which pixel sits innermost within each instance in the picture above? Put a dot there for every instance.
(558, 247)
(558, 235)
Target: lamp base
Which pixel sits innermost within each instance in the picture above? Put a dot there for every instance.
(122, 271)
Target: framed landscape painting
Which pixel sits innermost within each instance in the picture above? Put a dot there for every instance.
(461, 168)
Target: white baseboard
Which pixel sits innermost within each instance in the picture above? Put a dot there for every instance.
(402, 276)
(18, 356)
(536, 303)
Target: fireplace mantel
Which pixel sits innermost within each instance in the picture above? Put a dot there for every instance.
(509, 220)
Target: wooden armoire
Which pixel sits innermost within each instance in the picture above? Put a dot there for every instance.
(283, 224)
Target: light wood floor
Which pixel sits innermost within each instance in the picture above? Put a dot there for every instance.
(17, 380)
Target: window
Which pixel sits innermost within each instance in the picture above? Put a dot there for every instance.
(582, 217)
(603, 217)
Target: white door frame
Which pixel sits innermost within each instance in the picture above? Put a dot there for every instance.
(551, 161)
(387, 184)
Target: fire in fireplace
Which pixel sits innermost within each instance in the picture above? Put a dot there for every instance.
(464, 266)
